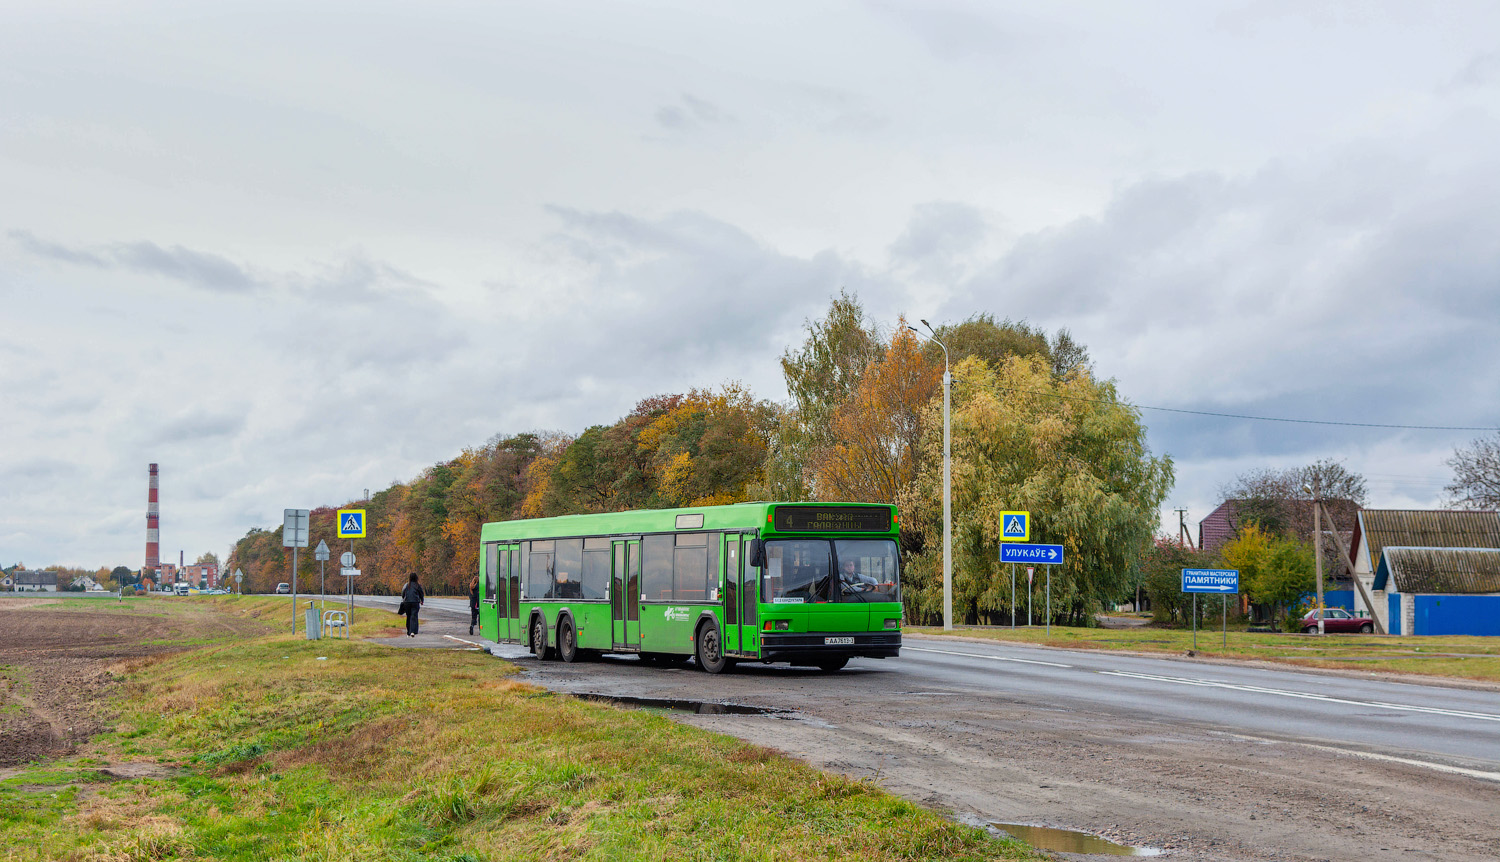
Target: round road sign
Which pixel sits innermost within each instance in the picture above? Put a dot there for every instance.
(347, 558)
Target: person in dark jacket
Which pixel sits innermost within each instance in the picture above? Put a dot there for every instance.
(473, 604)
(412, 599)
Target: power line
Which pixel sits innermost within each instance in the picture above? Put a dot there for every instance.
(1257, 418)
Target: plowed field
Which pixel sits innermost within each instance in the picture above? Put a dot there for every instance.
(56, 661)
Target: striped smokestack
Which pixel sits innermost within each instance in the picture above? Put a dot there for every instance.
(153, 525)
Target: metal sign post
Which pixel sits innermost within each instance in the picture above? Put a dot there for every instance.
(1221, 581)
(239, 578)
(1029, 571)
(1012, 595)
(1049, 600)
(346, 568)
(1015, 527)
(294, 526)
(321, 552)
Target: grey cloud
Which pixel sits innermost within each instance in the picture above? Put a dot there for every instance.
(198, 424)
(54, 251)
(203, 270)
(208, 271)
(692, 111)
(949, 31)
(1303, 290)
(940, 230)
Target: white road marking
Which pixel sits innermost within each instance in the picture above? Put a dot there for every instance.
(990, 657)
(1370, 755)
(1255, 689)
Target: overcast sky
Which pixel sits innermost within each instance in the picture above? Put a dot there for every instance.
(290, 251)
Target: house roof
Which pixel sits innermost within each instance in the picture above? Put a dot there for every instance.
(1439, 570)
(1415, 528)
(35, 579)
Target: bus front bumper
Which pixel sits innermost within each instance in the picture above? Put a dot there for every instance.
(810, 646)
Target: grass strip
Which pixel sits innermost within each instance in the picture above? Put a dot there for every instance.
(1464, 657)
(279, 748)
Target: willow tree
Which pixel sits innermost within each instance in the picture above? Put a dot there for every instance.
(1068, 450)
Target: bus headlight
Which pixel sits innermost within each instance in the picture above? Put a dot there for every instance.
(893, 624)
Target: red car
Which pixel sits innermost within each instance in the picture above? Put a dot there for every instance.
(1337, 620)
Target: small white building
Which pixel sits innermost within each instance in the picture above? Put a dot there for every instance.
(23, 581)
(1409, 531)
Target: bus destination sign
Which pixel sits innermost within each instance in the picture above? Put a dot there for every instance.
(832, 519)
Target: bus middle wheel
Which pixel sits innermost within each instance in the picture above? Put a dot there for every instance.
(539, 639)
(567, 642)
(710, 652)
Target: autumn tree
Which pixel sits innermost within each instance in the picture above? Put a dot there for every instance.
(1275, 571)
(820, 376)
(1476, 475)
(873, 448)
(1066, 449)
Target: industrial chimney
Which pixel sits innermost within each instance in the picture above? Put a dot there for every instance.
(153, 528)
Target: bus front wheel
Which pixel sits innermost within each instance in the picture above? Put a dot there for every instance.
(829, 665)
(711, 656)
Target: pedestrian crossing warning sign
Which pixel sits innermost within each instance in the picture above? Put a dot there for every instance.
(351, 523)
(1015, 526)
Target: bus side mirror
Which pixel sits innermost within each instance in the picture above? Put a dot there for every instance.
(757, 556)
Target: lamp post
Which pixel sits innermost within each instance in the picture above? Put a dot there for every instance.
(947, 484)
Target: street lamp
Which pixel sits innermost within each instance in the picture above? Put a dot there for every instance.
(947, 484)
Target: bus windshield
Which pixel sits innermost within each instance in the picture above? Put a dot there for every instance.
(806, 571)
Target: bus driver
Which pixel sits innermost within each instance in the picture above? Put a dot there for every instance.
(851, 577)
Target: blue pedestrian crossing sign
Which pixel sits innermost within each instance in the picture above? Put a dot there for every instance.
(351, 523)
(1015, 526)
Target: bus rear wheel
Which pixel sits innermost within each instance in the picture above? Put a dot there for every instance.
(567, 642)
(829, 665)
(710, 651)
(539, 639)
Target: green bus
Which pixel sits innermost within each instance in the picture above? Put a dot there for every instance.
(802, 583)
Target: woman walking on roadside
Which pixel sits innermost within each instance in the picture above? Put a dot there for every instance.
(412, 599)
(473, 604)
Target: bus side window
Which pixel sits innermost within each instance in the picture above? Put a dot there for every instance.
(732, 580)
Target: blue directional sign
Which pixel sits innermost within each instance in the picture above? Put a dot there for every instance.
(1051, 555)
(351, 523)
(1210, 580)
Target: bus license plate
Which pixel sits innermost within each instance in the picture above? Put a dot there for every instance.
(838, 641)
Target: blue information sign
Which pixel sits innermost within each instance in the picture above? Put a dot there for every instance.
(1011, 552)
(1211, 580)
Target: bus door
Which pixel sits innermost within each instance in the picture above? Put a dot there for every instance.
(625, 594)
(739, 596)
(510, 592)
(493, 588)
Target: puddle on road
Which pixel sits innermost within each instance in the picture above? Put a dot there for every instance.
(697, 707)
(1069, 841)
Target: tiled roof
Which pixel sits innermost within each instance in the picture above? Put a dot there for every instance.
(1408, 528)
(1439, 570)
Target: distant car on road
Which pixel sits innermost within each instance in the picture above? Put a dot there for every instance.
(182, 589)
(283, 588)
(1337, 620)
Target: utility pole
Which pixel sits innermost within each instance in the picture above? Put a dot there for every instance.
(1184, 535)
(1314, 489)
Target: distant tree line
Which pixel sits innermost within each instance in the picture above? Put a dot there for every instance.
(1032, 428)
